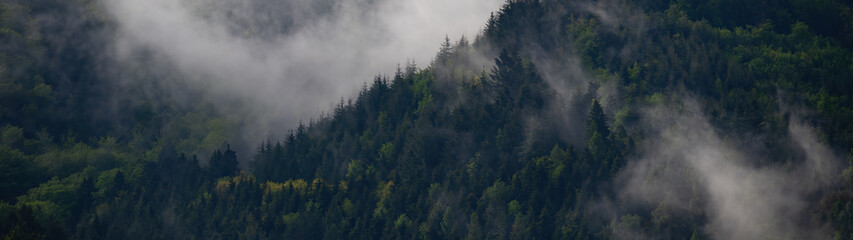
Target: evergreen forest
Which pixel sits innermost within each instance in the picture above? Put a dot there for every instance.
(560, 119)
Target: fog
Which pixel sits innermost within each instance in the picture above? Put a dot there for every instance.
(288, 61)
(688, 167)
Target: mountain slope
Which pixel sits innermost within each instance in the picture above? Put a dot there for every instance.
(562, 120)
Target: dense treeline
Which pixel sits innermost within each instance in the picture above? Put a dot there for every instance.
(520, 146)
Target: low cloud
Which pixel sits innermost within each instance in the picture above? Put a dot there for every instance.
(687, 167)
(292, 60)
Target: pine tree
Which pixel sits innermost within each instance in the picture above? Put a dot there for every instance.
(445, 52)
(223, 163)
(596, 121)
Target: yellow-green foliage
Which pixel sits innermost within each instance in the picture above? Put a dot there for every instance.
(273, 187)
(223, 185)
(55, 199)
(383, 192)
(386, 151)
(106, 182)
(297, 185)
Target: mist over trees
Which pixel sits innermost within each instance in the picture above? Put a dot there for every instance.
(561, 119)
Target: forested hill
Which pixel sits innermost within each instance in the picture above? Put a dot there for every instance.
(562, 119)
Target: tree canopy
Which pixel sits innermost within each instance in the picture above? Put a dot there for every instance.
(526, 144)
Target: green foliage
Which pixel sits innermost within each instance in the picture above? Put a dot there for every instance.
(459, 149)
(18, 173)
(11, 135)
(585, 35)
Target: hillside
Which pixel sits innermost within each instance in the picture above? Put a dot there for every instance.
(562, 119)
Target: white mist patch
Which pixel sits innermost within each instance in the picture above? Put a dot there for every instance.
(689, 167)
(291, 60)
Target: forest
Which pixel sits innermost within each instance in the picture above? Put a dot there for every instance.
(560, 119)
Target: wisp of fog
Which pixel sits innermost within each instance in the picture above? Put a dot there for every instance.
(687, 167)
